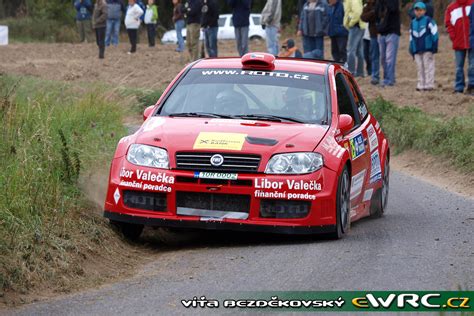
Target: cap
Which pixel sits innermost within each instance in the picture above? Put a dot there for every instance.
(420, 5)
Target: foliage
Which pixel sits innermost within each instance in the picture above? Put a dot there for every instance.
(410, 128)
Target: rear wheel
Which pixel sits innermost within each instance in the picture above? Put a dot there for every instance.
(380, 198)
(343, 205)
(130, 231)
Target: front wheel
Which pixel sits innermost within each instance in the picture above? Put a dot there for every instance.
(130, 231)
(343, 205)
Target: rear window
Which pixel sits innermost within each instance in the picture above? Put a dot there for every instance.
(232, 92)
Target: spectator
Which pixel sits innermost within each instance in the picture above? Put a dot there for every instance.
(240, 19)
(271, 17)
(337, 32)
(210, 25)
(143, 7)
(423, 44)
(388, 26)
(366, 46)
(83, 19)
(356, 27)
(151, 18)
(114, 16)
(429, 9)
(132, 23)
(290, 50)
(313, 27)
(368, 15)
(457, 22)
(178, 20)
(99, 22)
(193, 28)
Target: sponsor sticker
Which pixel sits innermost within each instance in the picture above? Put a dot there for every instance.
(229, 141)
(117, 196)
(375, 168)
(286, 189)
(367, 195)
(356, 184)
(357, 146)
(216, 175)
(146, 180)
(373, 140)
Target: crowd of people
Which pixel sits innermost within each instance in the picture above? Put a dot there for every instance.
(364, 34)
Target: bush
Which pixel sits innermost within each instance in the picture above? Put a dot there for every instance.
(49, 137)
(410, 128)
(29, 29)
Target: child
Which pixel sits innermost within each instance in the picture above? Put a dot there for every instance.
(99, 20)
(423, 44)
(132, 23)
(151, 18)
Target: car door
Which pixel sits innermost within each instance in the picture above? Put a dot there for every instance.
(355, 141)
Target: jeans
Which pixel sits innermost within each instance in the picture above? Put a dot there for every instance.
(179, 25)
(133, 37)
(313, 47)
(355, 51)
(426, 70)
(242, 39)
(193, 31)
(388, 46)
(272, 39)
(367, 57)
(210, 38)
(460, 57)
(100, 40)
(151, 32)
(375, 59)
(112, 32)
(85, 29)
(339, 48)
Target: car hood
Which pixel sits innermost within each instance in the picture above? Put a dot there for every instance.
(205, 134)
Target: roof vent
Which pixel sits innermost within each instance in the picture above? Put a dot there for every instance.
(258, 61)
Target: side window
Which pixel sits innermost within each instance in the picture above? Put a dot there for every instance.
(231, 22)
(344, 101)
(221, 22)
(359, 100)
(256, 20)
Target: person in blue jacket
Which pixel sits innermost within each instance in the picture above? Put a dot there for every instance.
(337, 32)
(115, 9)
(423, 46)
(240, 18)
(313, 26)
(83, 19)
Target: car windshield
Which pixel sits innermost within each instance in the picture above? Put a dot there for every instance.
(249, 94)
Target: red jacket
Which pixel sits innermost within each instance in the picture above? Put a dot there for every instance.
(457, 23)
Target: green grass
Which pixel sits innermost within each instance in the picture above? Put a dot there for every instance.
(50, 136)
(411, 128)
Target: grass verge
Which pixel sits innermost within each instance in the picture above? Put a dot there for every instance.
(51, 136)
(411, 128)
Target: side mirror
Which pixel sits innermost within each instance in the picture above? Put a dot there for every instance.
(346, 123)
(148, 112)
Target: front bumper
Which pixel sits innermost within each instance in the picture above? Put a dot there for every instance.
(172, 183)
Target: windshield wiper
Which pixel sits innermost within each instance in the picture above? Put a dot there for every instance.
(199, 114)
(268, 117)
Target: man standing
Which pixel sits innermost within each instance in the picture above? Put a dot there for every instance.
(114, 16)
(99, 20)
(388, 26)
(193, 20)
(210, 25)
(368, 15)
(457, 20)
(240, 19)
(313, 26)
(83, 19)
(271, 17)
(337, 32)
(356, 27)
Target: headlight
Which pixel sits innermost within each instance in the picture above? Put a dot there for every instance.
(294, 163)
(149, 156)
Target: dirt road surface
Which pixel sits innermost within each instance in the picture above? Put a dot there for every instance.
(154, 68)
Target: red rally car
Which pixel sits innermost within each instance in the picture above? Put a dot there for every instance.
(256, 143)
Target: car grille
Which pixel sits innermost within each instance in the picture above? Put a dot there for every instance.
(213, 201)
(232, 162)
(145, 200)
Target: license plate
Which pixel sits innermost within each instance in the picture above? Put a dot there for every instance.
(216, 175)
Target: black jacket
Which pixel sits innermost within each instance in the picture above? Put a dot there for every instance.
(387, 17)
(240, 12)
(192, 9)
(210, 17)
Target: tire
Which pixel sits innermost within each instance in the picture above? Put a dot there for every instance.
(343, 205)
(380, 198)
(130, 231)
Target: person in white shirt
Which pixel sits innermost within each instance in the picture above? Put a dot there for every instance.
(132, 23)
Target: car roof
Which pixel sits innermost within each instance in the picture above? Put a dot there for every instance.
(317, 67)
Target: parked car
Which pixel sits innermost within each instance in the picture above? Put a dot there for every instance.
(226, 30)
(257, 143)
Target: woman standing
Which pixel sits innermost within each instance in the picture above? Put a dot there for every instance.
(132, 23)
(151, 18)
(99, 23)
